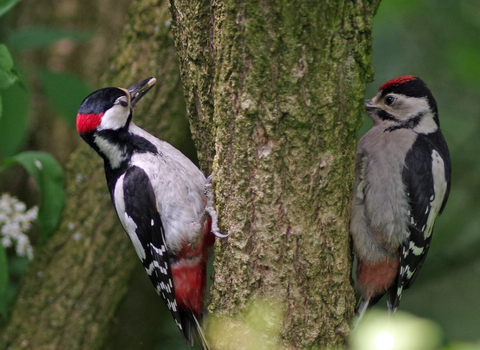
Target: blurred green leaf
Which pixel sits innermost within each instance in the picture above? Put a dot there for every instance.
(7, 75)
(6, 5)
(3, 281)
(13, 124)
(40, 37)
(48, 175)
(65, 92)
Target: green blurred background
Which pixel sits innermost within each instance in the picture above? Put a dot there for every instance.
(437, 40)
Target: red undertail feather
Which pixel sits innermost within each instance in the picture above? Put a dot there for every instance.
(189, 273)
(375, 279)
(189, 280)
(397, 81)
(88, 122)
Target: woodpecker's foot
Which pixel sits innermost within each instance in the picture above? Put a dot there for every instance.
(210, 208)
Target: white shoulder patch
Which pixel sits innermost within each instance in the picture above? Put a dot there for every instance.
(131, 227)
(127, 222)
(440, 188)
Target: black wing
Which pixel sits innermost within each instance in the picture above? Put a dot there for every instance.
(147, 235)
(418, 178)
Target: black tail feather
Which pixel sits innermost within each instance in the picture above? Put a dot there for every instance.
(190, 323)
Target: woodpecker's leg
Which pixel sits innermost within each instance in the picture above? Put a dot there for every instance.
(210, 209)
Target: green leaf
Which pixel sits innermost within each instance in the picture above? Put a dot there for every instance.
(6, 5)
(48, 175)
(7, 75)
(13, 124)
(41, 37)
(3, 281)
(65, 92)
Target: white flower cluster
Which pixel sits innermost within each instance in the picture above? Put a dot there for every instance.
(15, 221)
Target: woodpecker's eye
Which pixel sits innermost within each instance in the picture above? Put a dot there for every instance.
(122, 101)
(390, 100)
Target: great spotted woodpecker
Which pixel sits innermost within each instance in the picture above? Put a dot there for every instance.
(162, 199)
(402, 182)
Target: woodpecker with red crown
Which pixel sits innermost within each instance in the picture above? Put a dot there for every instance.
(162, 199)
(402, 182)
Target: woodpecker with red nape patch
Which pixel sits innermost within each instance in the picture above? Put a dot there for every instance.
(162, 199)
(402, 182)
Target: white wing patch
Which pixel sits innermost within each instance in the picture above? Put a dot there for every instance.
(160, 250)
(127, 222)
(131, 228)
(414, 249)
(440, 188)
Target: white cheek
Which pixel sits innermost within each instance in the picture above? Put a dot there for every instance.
(415, 106)
(115, 118)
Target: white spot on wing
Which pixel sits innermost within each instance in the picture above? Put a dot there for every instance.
(415, 250)
(410, 274)
(153, 265)
(158, 251)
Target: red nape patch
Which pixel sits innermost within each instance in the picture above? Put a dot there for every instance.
(88, 122)
(375, 279)
(397, 81)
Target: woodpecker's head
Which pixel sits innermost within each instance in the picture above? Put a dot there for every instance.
(404, 102)
(110, 108)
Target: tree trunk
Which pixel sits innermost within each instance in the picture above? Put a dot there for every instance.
(277, 88)
(72, 288)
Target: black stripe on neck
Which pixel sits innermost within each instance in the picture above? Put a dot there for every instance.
(408, 124)
(383, 115)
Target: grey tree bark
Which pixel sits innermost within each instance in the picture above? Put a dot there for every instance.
(274, 94)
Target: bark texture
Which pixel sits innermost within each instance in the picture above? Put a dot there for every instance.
(72, 289)
(278, 86)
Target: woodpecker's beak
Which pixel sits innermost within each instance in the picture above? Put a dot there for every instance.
(370, 108)
(138, 90)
